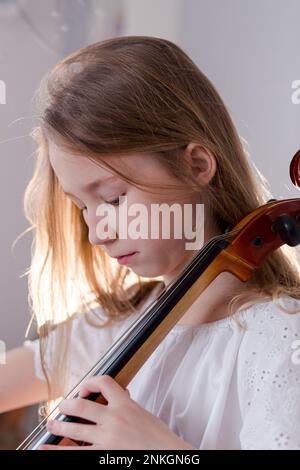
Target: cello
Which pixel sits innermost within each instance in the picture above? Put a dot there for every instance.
(239, 251)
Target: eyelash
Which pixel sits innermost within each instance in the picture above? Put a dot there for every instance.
(117, 201)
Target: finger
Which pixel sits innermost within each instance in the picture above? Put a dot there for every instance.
(75, 431)
(106, 385)
(85, 409)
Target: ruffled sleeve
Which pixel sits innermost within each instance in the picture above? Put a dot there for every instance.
(34, 345)
(269, 379)
(88, 342)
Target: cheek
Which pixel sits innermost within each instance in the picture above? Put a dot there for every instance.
(162, 251)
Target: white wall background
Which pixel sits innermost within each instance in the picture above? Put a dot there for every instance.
(248, 48)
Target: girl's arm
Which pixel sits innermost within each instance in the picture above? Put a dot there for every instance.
(19, 385)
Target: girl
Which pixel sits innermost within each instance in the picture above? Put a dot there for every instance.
(135, 117)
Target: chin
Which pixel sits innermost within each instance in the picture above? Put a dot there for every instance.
(146, 272)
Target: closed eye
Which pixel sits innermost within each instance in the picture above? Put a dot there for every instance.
(115, 202)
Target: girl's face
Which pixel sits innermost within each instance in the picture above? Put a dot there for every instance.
(89, 185)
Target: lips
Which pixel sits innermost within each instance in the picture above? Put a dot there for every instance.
(122, 256)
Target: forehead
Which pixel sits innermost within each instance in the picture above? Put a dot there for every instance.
(75, 171)
(70, 167)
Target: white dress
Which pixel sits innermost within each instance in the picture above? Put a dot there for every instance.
(222, 385)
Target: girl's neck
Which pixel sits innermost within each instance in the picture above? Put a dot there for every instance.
(212, 304)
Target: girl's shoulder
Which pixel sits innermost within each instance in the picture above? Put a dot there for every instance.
(279, 316)
(96, 322)
(271, 339)
(269, 328)
(268, 375)
(264, 335)
(90, 336)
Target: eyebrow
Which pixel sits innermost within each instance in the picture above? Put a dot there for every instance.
(93, 184)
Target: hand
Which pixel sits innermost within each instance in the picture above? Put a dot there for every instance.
(120, 424)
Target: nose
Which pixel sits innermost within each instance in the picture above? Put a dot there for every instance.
(94, 240)
(104, 238)
(99, 233)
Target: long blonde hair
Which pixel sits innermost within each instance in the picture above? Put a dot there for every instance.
(119, 96)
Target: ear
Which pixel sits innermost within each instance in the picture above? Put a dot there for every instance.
(201, 162)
